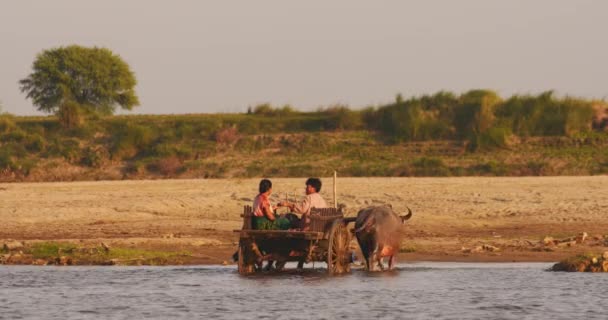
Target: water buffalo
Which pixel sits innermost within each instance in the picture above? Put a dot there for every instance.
(379, 233)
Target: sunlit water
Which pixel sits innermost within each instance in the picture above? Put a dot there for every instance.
(414, 291)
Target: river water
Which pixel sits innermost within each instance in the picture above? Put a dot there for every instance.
(413, 291)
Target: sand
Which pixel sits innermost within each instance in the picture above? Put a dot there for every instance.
(451, 215)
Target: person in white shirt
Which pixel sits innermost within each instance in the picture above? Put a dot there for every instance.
(312, 200)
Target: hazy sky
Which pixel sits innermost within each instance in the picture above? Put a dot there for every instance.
(222, 56)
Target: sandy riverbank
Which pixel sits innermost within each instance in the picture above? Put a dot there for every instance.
(451, 215)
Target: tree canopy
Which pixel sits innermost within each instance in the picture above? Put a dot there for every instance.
(75, 80)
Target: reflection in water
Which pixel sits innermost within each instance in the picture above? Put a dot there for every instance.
(418, 290)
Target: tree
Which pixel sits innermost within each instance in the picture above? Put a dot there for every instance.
(73, 81)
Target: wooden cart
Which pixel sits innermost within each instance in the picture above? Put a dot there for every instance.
(327, 240)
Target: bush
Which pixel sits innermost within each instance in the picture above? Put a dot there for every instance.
(544, 115)
(267, 110)
(131, 139)
(16, 136)
(34, 143)
(474, 114)
(6, 160)
(92, 158)
(25, 166)
(135, 167)
(579, 116)
(490, 168)
(341, 118)
(534, 168)
(166, 166)
(490, 139)
(7, 123)
(263, 109)
(10, 164)
(227, 136)
(430, 167)
(84, 131)
(69, 149)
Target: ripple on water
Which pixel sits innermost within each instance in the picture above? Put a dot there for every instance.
(414, 290)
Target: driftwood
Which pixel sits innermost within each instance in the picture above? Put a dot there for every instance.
(12, 245)
(570, 241)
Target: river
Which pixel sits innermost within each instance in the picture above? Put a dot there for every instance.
(421, 290)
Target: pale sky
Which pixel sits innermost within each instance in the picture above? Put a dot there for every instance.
(222, 56)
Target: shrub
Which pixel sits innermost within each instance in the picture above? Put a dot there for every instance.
(68, 149)
(475, 112)
(166, 166)
(184, 130)
(130, 139)
(84, 131)
(17, 135)
(535, 168)
(34, 143)
(341, 118)
(25, 166)
(227, 136)
(490, 168)
(135, 167)
(430, 167)
(7, 123)
(92, 158)
(403, 170)
(490, 139)
(578, 116)
(6, 160)
(263, 109)
(163, 150)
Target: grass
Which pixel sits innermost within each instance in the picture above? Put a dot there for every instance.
(99, 255)
(280, 143)
(47, 250)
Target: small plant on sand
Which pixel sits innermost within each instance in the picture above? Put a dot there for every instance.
(46, 250)
(407, 249)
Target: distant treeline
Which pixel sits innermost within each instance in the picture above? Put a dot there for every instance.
(479, 120)
(480, 117)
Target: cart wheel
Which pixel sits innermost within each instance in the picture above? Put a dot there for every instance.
(338, 260)
(246, 265)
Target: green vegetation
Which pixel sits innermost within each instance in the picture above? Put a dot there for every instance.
(476, 133)
(47, 250)
(98, 255)
(75, 81)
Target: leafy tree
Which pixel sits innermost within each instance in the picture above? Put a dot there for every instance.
(73, 81)
(475, 113)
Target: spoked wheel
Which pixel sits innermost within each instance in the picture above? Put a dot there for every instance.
(246, 265)
(338, 259)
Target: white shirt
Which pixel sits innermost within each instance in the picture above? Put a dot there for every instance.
(313, 200)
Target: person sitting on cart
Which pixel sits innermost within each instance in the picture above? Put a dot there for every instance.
(312, 200)
(264, 216)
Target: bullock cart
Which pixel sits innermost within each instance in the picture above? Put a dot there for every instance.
(327, 240)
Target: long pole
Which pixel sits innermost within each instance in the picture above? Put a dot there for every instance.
(335, 190)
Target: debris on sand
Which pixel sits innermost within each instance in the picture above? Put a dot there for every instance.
(583, 263)
(570, 241)
(481, 248)
(12, 245)
(551, 244)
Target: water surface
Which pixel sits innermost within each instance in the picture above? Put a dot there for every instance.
(414, 291)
